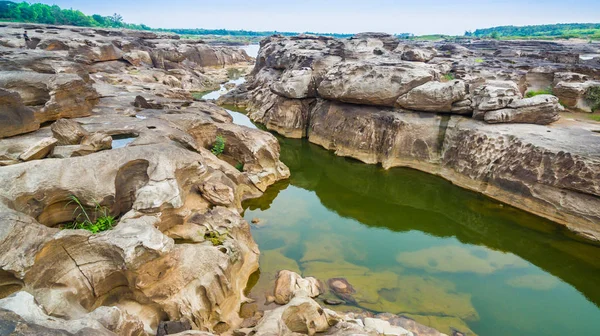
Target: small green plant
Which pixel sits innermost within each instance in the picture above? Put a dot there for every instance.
(534, 93)
(240, 166)
(219, 146)
(595, 117)
(494, 35)
(447, 77)
(479, 60)
(592, 96)
(83, 221)
(215, 237)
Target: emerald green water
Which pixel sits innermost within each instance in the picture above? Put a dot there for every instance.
(415, 244)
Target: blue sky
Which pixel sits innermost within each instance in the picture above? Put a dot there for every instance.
(414, 16)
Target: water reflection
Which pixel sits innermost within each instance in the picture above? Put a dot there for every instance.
(415, 244)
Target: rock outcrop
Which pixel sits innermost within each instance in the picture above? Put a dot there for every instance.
(93, 128)
(399, 105)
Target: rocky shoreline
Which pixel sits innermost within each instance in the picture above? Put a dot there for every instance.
(457, 111)
(103, 123)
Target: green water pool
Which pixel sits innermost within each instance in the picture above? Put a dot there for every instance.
(414, 244)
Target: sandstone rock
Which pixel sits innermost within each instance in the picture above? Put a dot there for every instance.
(569, 77)
(340, 285)
(93, 54)
(68, 132)
(172, 327)
(53, 44)
(572, 94)
(138, 58)
(15, 118)
(289, 284)
(434, 96)
(300, 315)
(218, 190)
(333, 302)
(11, 322)
(372, 83)
(96, 142)
(351, 328)
(494, 95)
(418, 55)
(96, 323)
(409, 324)
(384, 328)
(39, 150)
(295, 84)
(141, 102)
(63, 152)
(541, 109)
(52, 96)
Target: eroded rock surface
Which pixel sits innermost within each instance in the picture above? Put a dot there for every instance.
(381, 100)
(107, 116)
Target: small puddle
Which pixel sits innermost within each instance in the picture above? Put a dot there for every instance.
(587, 57)
(122, 140)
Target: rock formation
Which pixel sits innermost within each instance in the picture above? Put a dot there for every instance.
(458, 111)
(106, 118)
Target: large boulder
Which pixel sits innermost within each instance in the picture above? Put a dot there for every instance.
(301, 315)
(541, 109)
(573, 94)
(94, 54)
(68, 132)
(434, 96)
(289, 284)
(295, 84)
(494, 95)
(417, 54)
(373, 83)
(52, 96)
(138, 58)
(15, 117)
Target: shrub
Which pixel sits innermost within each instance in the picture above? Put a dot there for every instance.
(83, 220)
(240, 166)
(479, 60)
(215, 237)
(592, 96)
(530, 94)
(218, 146)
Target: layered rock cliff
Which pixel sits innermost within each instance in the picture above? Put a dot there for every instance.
(458, 111)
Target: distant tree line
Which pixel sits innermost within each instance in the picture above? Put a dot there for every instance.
(40, 13)
(584, 30)
(226, 32)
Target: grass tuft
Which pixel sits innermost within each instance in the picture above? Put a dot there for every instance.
(530, 94)
(94, 224)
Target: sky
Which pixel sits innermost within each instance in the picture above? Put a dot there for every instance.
(419, 17)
